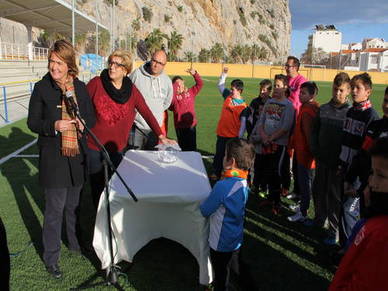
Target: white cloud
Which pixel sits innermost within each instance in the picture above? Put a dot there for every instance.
(305, 14)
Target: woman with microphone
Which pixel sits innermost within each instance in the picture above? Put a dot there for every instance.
(62, 147)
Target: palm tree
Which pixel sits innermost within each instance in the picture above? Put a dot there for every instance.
(235, 53)
(217, 53)
(246, 53)
(154, 41)
(203, 55)
(174, 44)
(190, 57)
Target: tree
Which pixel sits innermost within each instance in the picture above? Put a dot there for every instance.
(203, 55)
(217, 53)
(258, 53)
(235, 53)
(154, 41)
(190, 57)
(47, 38)
(174, 44)
(246, 53)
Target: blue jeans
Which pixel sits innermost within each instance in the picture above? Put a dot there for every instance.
(305, 180)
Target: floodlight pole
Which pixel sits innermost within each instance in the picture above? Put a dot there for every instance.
(73, 23)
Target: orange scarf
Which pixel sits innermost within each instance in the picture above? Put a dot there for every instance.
(236, 173)
(69, 146)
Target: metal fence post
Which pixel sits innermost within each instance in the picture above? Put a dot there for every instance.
(5, 104)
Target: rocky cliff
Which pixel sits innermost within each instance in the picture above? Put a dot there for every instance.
(202, 23)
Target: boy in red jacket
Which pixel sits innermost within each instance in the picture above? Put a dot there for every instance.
(301, 144)
(183, 107)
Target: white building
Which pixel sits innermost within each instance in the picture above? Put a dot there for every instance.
(328, 38)
(373, 43)
(374, 59)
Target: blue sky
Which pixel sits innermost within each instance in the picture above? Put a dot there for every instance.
(355, 19)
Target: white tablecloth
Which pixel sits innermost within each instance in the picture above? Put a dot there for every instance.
(169, 197)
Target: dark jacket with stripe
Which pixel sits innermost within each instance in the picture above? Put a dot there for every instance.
(55, 170)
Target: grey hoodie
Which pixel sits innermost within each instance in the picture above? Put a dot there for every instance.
(157, 92)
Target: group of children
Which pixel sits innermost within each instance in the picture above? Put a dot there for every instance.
(332, 141)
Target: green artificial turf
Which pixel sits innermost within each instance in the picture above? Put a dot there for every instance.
(277, 254)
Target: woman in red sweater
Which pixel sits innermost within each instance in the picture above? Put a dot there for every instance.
(116, 100)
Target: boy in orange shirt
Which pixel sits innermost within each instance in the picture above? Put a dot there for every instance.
(301, 144)
(229, 123)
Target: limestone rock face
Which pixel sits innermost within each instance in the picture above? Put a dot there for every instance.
(202, 23)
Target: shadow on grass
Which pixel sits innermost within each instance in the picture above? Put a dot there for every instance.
(24, 185)
(281, 255)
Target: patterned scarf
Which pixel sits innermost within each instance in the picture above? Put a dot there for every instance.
(362, 105)
(236, 173)
(69, 146)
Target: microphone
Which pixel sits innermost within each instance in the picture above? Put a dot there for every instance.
(70, 98)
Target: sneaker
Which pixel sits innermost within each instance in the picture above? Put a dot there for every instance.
(295, 207)
(284, 192)
(291, 195)
(54, 271)
(330, 241)
(298, 217)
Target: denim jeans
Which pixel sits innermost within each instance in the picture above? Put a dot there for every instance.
(305, 180)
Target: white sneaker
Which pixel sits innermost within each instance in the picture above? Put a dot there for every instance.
(295, 207)
(298, 217)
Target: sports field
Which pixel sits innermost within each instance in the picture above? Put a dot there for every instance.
(280, 255)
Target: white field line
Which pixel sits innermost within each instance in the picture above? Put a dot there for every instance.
(15, 153)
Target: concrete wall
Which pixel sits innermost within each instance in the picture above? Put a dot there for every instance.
(262, 71)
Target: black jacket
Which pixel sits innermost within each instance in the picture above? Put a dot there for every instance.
(55, 170)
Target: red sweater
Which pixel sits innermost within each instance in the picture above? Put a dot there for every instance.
(302, 134)
(364, 266)
(114, 120)
(183, 105)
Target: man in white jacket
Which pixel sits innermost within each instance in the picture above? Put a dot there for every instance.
(156, 87)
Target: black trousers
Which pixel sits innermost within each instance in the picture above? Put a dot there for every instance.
(96, 170)
(187, 138)
(258, 177)
(285, 171)
(4, 259)
(59, 201)
(272, 164)
(222, 263)
(219, 155)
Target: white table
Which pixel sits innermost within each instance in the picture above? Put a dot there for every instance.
(169, 196)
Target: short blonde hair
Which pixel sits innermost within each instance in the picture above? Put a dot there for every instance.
(64, 50)
(126, 58)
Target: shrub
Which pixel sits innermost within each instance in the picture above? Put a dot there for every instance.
(271, 12)
(180, 8)
(240, 12)
(147, 14)
(167, 18)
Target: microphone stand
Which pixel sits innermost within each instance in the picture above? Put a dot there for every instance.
(113, 271)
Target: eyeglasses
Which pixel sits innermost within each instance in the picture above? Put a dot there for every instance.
(159, 63)
(116, 64)
(289, 66)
